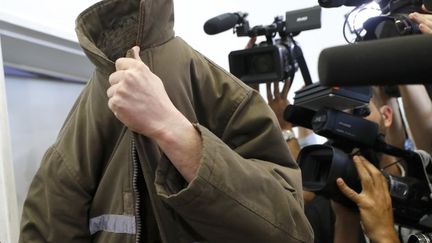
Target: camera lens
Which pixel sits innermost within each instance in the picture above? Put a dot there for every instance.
(420, 238)
(262, 63)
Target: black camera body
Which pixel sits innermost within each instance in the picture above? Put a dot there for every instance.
(392, 22)
(265, 62)
(321, 165)
(273, 59)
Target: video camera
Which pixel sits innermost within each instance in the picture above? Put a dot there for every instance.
(393, 20)
(273, 59)
(321, 165)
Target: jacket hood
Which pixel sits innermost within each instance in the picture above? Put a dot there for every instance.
(109, 28)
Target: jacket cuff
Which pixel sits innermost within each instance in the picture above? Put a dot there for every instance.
(171, 186)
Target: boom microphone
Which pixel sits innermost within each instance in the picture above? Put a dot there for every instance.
(221, 23)
(390, 61)
(299, 116)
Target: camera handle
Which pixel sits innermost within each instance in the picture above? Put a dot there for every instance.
(298, 55)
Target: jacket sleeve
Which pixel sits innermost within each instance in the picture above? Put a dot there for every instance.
(247, 188)
(54, 189)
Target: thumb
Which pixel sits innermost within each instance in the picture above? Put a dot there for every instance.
(136, 53)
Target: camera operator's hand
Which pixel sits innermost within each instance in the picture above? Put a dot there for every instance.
(278, 101)
(374, 202)
(424, 21)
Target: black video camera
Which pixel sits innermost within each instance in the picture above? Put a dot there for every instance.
(393, 20)
(273, 59)
(321, 165)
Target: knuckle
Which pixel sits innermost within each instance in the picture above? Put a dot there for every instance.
(129, 75)
(376, 173)
(121, 90)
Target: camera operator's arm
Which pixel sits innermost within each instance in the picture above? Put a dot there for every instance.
(418, 110)
(347, 224)
(374, 203)
(424, 21)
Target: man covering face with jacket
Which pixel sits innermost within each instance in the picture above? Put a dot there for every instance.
(162, 145)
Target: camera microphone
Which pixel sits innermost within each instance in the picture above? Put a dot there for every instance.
(299, 116)
(389, 61)
(221, 23)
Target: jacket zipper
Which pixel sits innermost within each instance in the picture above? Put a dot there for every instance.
(137, 192)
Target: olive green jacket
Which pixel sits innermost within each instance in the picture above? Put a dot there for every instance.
(100, 182)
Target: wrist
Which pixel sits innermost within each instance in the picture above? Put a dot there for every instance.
(384, 235)
(181, 143)
(288, 135)
(285, 125)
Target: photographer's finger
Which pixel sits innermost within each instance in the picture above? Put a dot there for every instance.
(269, 93)
(347, 191)
(425, 29)
(276, 92)
(418, 18)
(286, 88)
(251, 42)
(374, 172)
(365, 177)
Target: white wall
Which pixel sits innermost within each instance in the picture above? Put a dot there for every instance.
(49, 16)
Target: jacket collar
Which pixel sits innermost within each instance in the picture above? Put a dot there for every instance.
(109, 28)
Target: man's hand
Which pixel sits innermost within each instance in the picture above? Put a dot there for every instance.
(374, 202)
(138, 98)
(424, 20)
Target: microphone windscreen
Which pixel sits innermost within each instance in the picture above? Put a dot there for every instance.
(220, 23)
(390, 61)
(299, 116)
